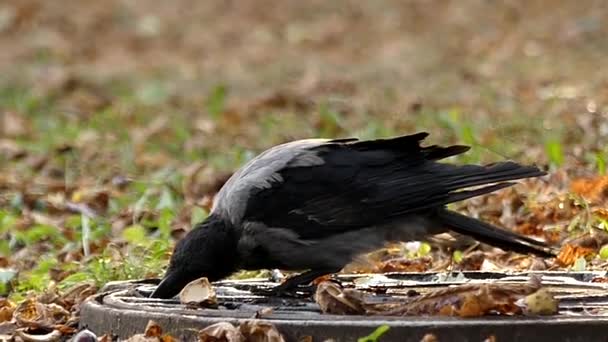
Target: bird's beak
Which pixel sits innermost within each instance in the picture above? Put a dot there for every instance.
(169, 287)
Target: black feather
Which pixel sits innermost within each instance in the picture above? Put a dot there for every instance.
(492, 235)
(366, 183)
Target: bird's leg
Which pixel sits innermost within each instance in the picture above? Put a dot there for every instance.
(290, 286)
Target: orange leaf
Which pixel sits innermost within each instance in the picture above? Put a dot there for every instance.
(593, 189)
(569, 253)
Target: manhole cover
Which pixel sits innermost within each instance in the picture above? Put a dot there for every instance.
(125, 310)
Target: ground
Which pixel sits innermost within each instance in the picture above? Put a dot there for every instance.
(121, 119)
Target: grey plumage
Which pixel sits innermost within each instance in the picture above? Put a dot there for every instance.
(316, 204)
(261, 173)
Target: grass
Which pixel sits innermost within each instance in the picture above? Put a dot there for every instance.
(157, 186)
(175, 107)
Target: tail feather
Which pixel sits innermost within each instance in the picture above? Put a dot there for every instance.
(493, 235)
(435, 152)
(473, 175)
(466, 194)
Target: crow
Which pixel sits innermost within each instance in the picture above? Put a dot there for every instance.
(316, 204)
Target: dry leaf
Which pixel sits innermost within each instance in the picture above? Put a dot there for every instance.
(6, 310)
(221, 332)
(153, 329)
(78, 293)
(472, 261)
(593, 189)
(260, 331)
(52, 336)
(406, 265)
(97, 200)
(332, 299)
(429, 338)
(570, 253)
(471, 300)
(105, 338)
(31, 313)
(13, 124)
(198, 292)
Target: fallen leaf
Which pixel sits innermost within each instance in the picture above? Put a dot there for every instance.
(221, 332)
(600, 280)
(472, 261)
(31, 313)
(52, 336)
(153, 329)
(13, 124)
(471, 300)
(570, 253)
(263, 312)
(429, 338)
(406, 265)
(332, 299)
(198, 292)
(260, 331)
(593, 189)
(6, 310)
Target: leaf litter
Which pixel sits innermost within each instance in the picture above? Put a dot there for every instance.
(469, 300)
(88, 172)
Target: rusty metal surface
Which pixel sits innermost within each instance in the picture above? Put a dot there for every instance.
(124, 310)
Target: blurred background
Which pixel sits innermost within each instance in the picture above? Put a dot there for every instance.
(120, 119)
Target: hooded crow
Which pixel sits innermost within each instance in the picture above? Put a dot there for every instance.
(316, 204)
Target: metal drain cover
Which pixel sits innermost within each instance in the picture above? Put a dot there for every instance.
(123, 309)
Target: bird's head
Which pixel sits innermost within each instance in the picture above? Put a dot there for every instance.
(208, 250)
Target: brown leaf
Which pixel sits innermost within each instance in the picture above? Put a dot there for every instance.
(569, 253)
(6, 310)
(13, 124)
(31, 313)
(11, 150)
(77, 293)
(332, 299)
(472, 261)
(198, 292)
(260, 331)
(406, 265)
(26, 336)
(221, 332)
(471, 300)
(105, 338)
(153, 329)
(429, 338)
(96, 200)
(600, 280)
(593, 189)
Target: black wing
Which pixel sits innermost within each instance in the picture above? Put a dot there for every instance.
(366, 183)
